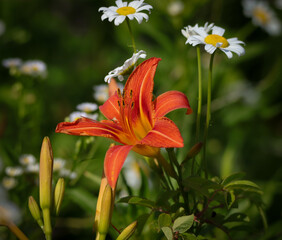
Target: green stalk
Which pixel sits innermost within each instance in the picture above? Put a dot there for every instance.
(47, 224)
(16, 231)
(198, 121)
(131, 35)
(208, 116)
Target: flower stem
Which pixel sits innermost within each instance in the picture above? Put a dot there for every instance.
(47, 224)
(131, 35)
(167, 167)
(198, 121)
(15, 230)
(208, 116)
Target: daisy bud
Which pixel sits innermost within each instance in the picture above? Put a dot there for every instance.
(105, 214)
(45, 173)
(34, 210)
(59, 195)
(128, 231)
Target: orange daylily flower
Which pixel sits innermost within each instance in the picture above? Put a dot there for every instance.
(134, 120)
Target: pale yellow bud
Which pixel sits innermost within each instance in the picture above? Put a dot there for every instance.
(59, 195)
(45, 174)
(35, 212)
(128, 231)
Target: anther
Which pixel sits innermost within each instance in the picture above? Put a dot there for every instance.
(118, 103)
(118, 92)
(123, 94)
(123, 104)
(131, 93)
(132, 105)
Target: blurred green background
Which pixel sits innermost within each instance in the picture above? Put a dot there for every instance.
(79, 50)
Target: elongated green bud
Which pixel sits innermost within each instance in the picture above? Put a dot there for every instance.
(193, 152)
(59, 195)
(35, 211)
(45, 174)
(128, 231)
(105, 214)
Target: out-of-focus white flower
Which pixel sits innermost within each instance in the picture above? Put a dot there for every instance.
(68, 173)
(58, 164)
(27, 159)
(175, 8)
(132, 173)
(189, 30)
(262, 15)
(216, 41)
(35, 68)
(9, 182)
(2, 27)
(87, 107)
(32, 168)
(122, 10)
(101, 93)
(14, 171)
(12, 62)
(126, 68)
(76, 115)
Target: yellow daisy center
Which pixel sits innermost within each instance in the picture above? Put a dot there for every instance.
(214, 39)
(126, 11)
(261, 15)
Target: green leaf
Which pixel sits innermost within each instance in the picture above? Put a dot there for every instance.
(201, 185)
(188, 236)
(232, 177)
(82, 198)
(237, 217)
(168, 233)
(230, 198)
(244, 185)
(164, 220)
(182, 224)
(141, 222)
(138, 201)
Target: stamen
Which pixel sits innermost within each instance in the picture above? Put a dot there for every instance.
(123, 94)
(123, 104)
(132, 105)
(131, 93)
(118, 103)
(118, 92)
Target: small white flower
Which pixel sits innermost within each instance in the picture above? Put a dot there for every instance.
(87, 107)
(27, 159)
(68, 173)
(175, 8)
(216, 40)
(101, 93)
(126, 68)
(262, 15)
(189, 30)
(11, 62)
(35, 68)
(14, 171)
(58, 164)
(32, 168)
(123, 10)
(9, 182)
(2, 27)
(77, 114)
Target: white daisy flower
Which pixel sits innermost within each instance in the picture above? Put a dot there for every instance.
(175, 8)
(189, 30)
(35, 68)
(126, 68)
(9, 182)
(27, 159)
(262, 15)
(123, 10)
(216, 40)
(58, 164)
(68, 173)
(32, 168)
(101, 93)
(14, 171)
(87, 107)
(77, 114)
(11, 62)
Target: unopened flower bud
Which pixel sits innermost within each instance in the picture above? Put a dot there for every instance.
(193, 151)
(59, 195)
(45, 174)
(34, 210)
(105, 214)
(128, 231)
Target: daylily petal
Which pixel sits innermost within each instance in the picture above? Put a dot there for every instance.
(170, 101)
(114, 160)
(164, 134)
(110, 108)
(89, 127)
(140, 86)
(113, 87)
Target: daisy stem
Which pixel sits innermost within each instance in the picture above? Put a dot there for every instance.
(131, 34)
(198, 121)
(208, 117)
